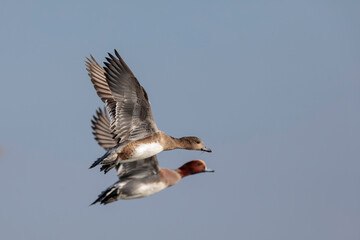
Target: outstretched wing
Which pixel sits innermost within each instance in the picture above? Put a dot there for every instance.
(133, 119)
(138, 169)
(97, 76)
(101, 130)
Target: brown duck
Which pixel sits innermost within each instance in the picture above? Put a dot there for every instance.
(132, 125)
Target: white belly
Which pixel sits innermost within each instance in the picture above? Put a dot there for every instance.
(145, 190)
(146, 150)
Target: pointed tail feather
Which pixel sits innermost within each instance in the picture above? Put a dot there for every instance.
(109, 159)
(107, 196)
(108, 167)
(99, 160)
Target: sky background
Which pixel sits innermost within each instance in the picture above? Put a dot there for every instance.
(273, 87)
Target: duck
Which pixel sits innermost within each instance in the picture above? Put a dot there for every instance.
(141, 178)
(132, 125)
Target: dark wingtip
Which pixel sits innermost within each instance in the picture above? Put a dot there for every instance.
(117, 54)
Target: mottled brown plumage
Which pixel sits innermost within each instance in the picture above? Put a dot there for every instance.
(131, 124)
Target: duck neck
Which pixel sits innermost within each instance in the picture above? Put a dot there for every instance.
(174, 143)
(182, 173)
(170, 177)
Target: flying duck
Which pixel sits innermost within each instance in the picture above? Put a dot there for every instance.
(132, 126)
(141, 178)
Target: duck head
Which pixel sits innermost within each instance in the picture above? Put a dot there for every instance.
(193, 167)
(194, 143)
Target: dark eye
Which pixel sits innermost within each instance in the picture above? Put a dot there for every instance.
(199, 164)
(198, 142)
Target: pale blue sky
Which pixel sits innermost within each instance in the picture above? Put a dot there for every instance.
(271, 86)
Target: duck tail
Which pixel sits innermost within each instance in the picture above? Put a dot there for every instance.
(108, 159)
(99, 160)
(107, 167)
(107, 196)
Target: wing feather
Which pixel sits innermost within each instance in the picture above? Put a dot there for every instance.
(101, 130)
(139, 169)
(97, 76)
(125, 99)
(133, 119)
(96, 73)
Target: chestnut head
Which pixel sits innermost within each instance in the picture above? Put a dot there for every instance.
(193, 167)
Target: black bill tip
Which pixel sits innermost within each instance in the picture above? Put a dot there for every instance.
(205, 149)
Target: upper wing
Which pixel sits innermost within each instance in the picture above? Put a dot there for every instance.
(101, 130)
(133, 119)
(97, 76)
(126, 100)
(139, 169)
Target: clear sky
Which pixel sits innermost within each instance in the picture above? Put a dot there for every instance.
(273, 87)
